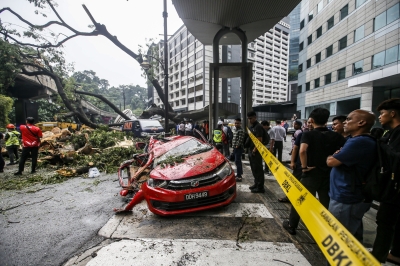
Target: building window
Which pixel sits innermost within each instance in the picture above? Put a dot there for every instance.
(380, 21)
(329, 51)
(299, 89)
(300, 68)
(330, 22)
(310, 16)
(229, 99)
(328, 78)
(343, 43)
(319, 32)
(302, 24)
(229, 55)
(392, 14)
(309, 63)
(360, 2)
(391, 55)
(378, 60)
(359, 33)
(358, 67)
(191, 48)
(183, 73)
(320, 6)
(199, 87)
(301, 46)
(344, 12)
(341, 73)
(309, 40)
(316, 83)
(318, 58)
(199, 54)
(183, 101)
(307, 86)
(229, 88)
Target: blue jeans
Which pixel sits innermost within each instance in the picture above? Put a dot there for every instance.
(350, 216)
(238, 161)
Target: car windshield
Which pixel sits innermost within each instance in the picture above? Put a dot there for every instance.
(150, 123)
(185, 149)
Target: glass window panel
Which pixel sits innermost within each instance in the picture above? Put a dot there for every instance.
(360, 2)
(319, 32)
(398, 54)
(328, 78)
(358, 67)
(341, 73)
(380, 21)
(307, 86)
(378, 60)
(330, 22)
(302, 24)
(344, 12)
(310, 16)
(343, 43)
(391, 55)
(392, 13)
(359, 33)
(318, 58)
(329, 51)
(309, 40)
(316, 83)
(320, 6)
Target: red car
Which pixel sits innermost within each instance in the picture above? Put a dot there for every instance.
(187, 175)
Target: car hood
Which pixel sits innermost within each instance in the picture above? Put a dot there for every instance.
(193, 165)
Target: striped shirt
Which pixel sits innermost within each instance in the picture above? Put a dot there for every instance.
(279, 133)
(238, 136)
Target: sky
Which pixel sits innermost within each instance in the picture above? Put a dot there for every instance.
(132, 21)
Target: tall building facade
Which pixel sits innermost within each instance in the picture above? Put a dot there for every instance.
(349, 54)
(294, 32)
(189, 69)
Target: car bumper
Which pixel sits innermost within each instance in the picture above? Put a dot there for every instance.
(170, 202)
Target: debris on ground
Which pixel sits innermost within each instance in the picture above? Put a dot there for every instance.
(64, 154)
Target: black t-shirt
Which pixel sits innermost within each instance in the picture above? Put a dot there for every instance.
(257, 130)
(321, 144)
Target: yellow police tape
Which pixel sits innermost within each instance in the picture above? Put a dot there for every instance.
(339, 246)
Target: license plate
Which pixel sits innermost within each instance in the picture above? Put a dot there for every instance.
(198, 195)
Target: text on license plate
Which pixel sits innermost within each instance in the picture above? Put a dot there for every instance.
(198, 195)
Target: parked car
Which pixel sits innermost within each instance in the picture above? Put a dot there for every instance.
(143, 127)
(185, 175)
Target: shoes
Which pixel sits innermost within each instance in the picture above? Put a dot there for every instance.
(10, 163)
(18, 173)
(257, 190)
(252, 187)
(285, 199)
(288, 228)
(239, 179)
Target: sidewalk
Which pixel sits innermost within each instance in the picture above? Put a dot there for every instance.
(303, 238)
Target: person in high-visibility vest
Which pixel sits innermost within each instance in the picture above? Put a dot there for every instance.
(12, 138)
(217, 137)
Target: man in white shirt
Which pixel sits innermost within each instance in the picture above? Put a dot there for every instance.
(188, 129)
(277, 138)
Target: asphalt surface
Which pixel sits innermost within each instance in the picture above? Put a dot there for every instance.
(46, 225)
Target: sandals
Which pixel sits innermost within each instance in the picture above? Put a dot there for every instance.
(285, 199)
(239, 179)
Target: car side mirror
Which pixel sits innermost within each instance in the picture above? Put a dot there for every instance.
(140, 145)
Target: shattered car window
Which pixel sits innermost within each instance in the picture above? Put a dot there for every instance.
(187, 148)
(150, 123)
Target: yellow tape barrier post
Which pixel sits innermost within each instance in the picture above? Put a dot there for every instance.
(339, 246)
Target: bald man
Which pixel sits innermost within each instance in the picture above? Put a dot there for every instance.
(348, 166)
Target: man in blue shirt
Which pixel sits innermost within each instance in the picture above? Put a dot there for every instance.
(349, 164)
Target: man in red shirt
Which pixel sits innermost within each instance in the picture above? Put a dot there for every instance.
(30, 144)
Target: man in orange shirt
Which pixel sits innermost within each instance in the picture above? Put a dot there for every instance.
(30, 144)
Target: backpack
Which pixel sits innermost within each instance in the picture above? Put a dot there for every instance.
(230, 134)
(266, 137)
(379, 183)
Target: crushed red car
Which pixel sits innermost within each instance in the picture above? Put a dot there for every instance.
(183, 174)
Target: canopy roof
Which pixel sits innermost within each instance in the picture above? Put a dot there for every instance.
(204, 18)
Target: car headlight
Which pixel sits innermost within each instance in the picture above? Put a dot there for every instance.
(151, 182)
(144, 134)
(224, 171)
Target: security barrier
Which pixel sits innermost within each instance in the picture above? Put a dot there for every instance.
(339, 246)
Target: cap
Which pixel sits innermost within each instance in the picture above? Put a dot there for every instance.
(10, 126)
(219, 123)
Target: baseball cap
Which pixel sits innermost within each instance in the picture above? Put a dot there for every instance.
(219, 123)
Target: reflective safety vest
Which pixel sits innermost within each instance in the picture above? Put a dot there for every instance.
(13, 138)
(217, 136)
